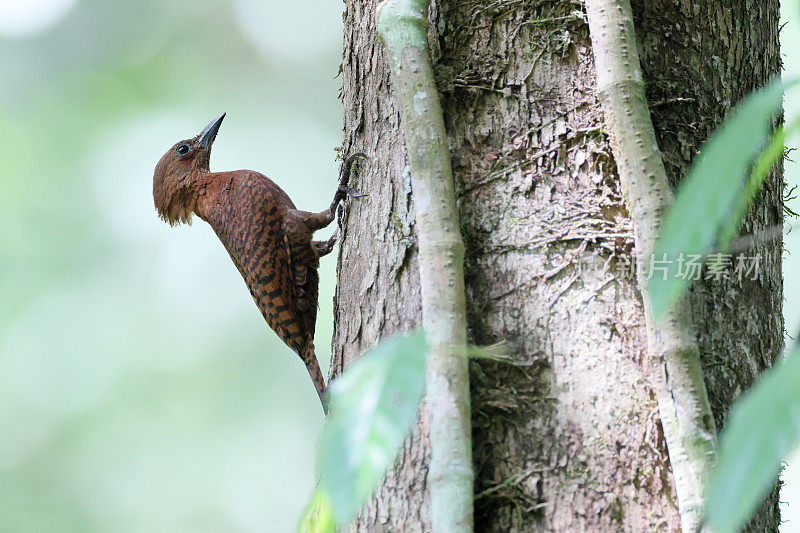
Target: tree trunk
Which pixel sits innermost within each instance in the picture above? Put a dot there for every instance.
(566, 433)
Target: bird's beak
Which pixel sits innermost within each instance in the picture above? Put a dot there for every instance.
(208, 135)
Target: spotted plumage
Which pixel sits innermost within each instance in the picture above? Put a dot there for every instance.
(268, 239)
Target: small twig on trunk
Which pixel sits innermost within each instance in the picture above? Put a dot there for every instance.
(402, 25)
(682, 398)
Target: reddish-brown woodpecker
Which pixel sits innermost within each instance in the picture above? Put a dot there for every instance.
(269, 240)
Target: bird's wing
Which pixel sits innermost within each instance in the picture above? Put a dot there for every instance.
(304, 263)
(303, 258)
(249, 222)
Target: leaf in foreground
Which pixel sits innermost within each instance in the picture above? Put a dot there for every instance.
(709, 208)
(763, 428)
(317, 518)
(373, 405)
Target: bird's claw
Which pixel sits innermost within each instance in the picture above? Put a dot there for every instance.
(346, 190)
(352, 157)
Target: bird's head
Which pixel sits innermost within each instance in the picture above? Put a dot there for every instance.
(175, 177)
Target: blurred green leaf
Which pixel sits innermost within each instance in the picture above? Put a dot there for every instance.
(373, 405)
(715, 194)
(318, 518)
(763, 428)
(766, 161)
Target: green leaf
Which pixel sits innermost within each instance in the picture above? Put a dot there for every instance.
(318, 517)
(372, 408)
(715, 194)
(763, 428)
(768, 158)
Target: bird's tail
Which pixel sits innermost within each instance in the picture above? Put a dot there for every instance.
(312, 365)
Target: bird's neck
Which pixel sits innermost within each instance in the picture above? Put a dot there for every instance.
(207, 186)
(187, 198)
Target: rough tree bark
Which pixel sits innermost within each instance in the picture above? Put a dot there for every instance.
(566, 433)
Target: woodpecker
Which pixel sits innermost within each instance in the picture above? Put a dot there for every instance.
(266, 236)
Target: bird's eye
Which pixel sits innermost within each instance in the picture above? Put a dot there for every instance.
(183, 149)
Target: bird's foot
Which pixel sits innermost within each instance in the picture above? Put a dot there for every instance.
(347, 168)
(346, 190)
(325, 247)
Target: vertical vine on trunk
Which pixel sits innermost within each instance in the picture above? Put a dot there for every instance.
(683, 403)
(402, 25)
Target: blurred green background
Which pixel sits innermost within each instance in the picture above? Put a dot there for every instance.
(140, 389)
